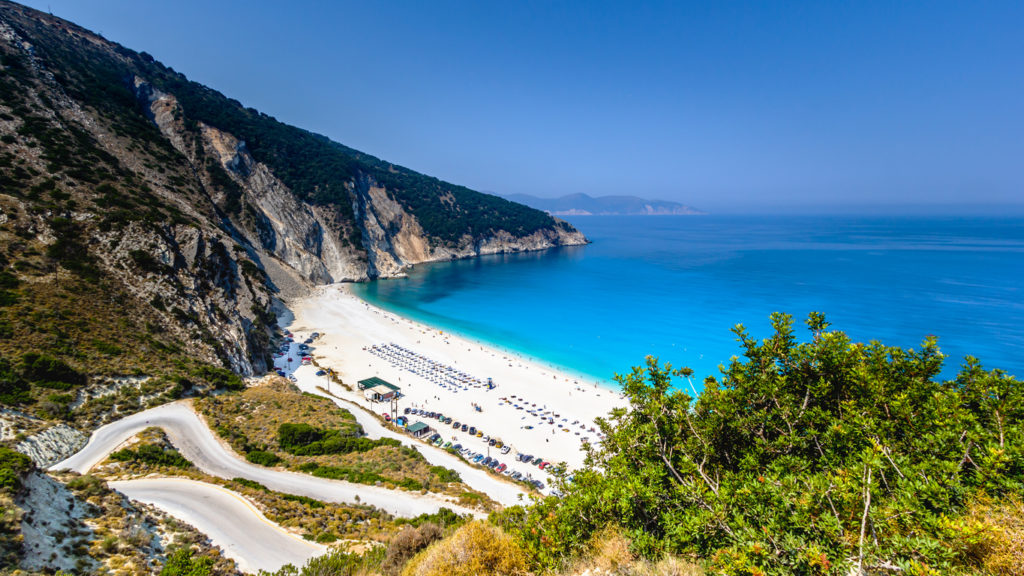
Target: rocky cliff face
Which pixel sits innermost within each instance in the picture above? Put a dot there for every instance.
(306, 237)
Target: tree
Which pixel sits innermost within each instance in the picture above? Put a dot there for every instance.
(804, 458)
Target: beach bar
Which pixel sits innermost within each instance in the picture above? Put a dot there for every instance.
(418, 429)
(378, 390)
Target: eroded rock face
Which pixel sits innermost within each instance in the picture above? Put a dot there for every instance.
(292, 231)
(52, 445)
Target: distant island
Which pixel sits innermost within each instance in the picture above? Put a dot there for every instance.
(584, 205)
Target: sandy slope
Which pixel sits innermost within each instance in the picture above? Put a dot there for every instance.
(232, 522)
(195, 441)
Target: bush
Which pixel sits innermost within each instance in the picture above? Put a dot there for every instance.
(335, 563)
(306, 440)
(476, 549)
(445, 474)
(408, 543)
(13, 465)
(152, 454)
(13, 388)
(220, 378)
(49, 372)
(262, 458)
(148, 263)
(250, 484)
(183, 563)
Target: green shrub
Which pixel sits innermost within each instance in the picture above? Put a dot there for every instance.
(184, 563)
(13, 388)
(262, 458)
(445, 474)
(305, 440)
(220, 378)
(153, 455)
(250, 484)
(13, 465)
(49, 372)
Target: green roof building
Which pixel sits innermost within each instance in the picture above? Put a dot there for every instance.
(418, 429)
(378, 390)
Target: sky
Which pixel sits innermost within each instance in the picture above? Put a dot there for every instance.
(724, 106)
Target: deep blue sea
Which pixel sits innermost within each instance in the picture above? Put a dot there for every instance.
(674, 286)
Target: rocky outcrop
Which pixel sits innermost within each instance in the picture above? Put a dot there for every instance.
(294, 232)
(52, 445)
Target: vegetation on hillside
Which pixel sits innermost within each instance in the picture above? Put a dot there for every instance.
(311, 434)
(804, 458)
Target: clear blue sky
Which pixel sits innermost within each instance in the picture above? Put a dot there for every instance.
(724, 106)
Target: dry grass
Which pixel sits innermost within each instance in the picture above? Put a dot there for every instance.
(476, 549)
(991, 535)
(608, 554)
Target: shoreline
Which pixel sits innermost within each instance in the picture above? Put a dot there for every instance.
(606, 383)
(535, 408)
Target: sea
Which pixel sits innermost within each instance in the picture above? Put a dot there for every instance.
(674, 286)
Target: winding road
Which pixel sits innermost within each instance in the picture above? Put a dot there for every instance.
(232, 522)
(196, 442)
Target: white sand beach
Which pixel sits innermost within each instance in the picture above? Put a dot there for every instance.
(555, 411)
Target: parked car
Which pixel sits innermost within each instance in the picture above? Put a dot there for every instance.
(478, 458)
(500, 468)
(464, 427)
(456, 425)
(472, 430)
(505, 450)
(486, 461)
(386, 416)
(407, 410)
(537, 461)
(492, 442)
(458, 447)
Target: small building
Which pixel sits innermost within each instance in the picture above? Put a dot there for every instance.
(378, 390)
(418, 429)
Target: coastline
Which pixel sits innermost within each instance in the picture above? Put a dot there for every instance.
(350, 327)
(461, 332)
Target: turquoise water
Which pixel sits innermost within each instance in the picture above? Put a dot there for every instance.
(674, 286)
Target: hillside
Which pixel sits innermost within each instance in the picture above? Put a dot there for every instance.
(584, 205)
(148, 223)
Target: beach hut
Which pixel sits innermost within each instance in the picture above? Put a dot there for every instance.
(418, 429)
(378, 390)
